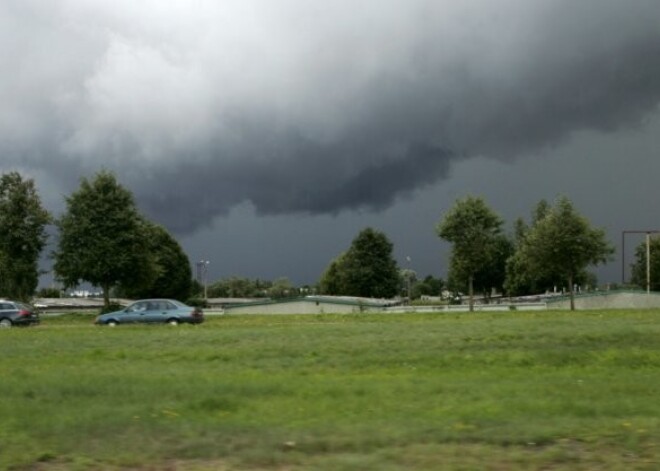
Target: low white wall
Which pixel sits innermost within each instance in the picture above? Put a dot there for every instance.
(296, 307)
(623, 300)
(466, 308)
(331, 308)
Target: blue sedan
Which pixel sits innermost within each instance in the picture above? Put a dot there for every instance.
(153, 311)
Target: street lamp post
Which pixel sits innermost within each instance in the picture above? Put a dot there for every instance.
(202, 275)
(410, 276)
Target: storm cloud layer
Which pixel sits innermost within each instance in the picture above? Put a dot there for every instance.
(311, 107)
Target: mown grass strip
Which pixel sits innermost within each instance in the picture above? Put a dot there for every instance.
(414, 391)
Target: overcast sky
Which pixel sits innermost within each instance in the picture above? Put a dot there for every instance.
(266, 134)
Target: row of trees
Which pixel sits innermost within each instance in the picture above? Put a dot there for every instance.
(240, 287)
(103, 240)
(554, 250)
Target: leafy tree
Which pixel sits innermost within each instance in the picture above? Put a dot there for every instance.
(260, 288)
(520, 229)
(489, 276)
(369, 268)
(173, 278)
(197, 289)
(233, 287)
(103, 238)
(49, 293)
(542, 209)
(239, 287)
(524, 279)
(22, 236)
(429, 286)
(407, 280)
(366, 269)
(282, 288)
(474, 231)
(521, 279)
(493, 275)
(639, 266)
(562, 244)
(331, 281)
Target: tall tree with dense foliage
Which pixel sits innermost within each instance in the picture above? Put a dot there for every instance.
(524, 279)
(563, 244)
(173, 278)
(491, 275)
(639, 266)
(369, 267)
(474, 231)
(520, 278)
(366, 269)
(23, 236)
(103, 238)
(331, 281)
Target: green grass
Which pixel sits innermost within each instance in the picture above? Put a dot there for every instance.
(502, 391)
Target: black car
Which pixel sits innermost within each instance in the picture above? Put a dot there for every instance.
(15, 313)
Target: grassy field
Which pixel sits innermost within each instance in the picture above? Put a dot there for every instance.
(505, 391)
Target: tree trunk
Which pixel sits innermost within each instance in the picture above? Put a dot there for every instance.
(570, 290)
(471, 293)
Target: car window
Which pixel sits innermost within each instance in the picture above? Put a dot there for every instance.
(137, 307)
(168, 305)
(5, 307)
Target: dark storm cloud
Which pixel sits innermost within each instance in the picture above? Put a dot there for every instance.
(310, 107)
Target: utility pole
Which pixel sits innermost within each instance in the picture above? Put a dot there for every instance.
(648, 255)
(648, 263)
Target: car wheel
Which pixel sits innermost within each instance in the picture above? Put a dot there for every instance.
(5, 324)
(173, 321)
(112, 323)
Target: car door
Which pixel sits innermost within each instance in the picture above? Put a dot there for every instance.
(169, 311)
(136, 312)
(155, 312)
(6, 310)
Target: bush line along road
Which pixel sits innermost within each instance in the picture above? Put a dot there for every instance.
(512, 390)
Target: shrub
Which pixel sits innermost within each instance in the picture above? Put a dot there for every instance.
(197, 302)
(111, 308)
(48, 293)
